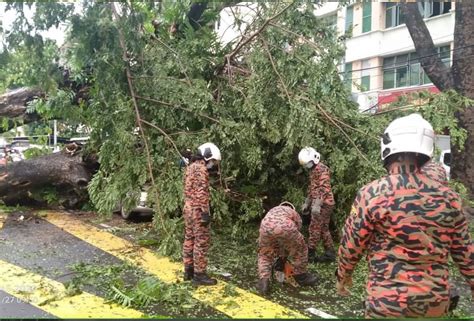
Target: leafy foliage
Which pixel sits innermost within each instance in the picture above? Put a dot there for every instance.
(260, 102)
(131, 287)
(35, 152)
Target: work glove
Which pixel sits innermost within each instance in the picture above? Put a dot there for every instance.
(205, 218)
(316, 206)
(305, 209)
(343, 285)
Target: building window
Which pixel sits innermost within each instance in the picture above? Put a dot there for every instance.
(405, 70)
(365, 76)
(349, 18)
(348, 76)
(431, 8)
(366, 16)
(330, 21)
(394, 16)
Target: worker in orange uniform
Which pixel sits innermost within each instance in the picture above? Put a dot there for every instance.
(409, 224)
(279, 238)
(435, 171)
(197, 217)
(319, 203)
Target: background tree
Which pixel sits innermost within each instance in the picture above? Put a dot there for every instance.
(458, 77)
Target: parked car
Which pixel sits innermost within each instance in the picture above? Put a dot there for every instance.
(445, 160)
(143, 206)
(443, 143)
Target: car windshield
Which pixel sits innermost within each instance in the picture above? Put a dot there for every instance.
(447, 159)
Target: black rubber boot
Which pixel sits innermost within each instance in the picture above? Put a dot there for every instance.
(263, 286)
(188, 272)
(328, 256)
(279, 264)
(203, 279)
(305, 279)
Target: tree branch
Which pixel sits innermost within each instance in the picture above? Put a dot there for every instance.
(331, 120)
(275, 69)
(164, 134)
(439, 74)
(256, 33)
(298, 37)
(176, 107)
(177, 57)
(137, 111)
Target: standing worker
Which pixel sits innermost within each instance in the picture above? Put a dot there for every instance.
(196, 214)
(279, 238)
(319, 203)
(409, 224)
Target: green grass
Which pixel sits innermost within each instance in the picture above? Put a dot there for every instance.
(4, 209)
(240, 259)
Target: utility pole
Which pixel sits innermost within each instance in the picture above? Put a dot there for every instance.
(55, 135)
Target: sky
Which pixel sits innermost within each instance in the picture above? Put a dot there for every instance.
(7, 18)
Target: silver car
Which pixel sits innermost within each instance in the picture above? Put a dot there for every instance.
(141, 207)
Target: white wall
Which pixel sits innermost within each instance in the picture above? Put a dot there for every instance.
(397, 40)
(244, 11)
(326, 8)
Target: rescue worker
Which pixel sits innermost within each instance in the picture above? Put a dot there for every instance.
(435, 171)
(319, 203)
(196, 214)
(279, 238)
(409, 224)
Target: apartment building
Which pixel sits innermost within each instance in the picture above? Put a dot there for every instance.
(381, 62)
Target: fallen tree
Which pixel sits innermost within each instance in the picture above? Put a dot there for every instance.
(67, 173)
(14, 105)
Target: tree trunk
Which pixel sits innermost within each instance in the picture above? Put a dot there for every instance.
(459, 77)
(438, 73)
(463, 76)
(462, 167)
(13, 104)
(20, 182)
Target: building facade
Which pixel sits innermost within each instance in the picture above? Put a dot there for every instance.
(381, 62)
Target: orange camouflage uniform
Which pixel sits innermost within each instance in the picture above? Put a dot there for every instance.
(320, 188)
(408, 224)
(196, 235)
(435, 171)
(280, 237)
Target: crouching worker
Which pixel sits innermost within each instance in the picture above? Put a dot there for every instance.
(280, 237)
(196, 214)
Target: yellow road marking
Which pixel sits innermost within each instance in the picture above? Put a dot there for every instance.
(50, 296)
(243, 305)
(3, 218)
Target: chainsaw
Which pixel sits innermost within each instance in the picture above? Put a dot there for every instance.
(282, 272)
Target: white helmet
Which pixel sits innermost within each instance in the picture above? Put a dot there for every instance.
(308, 155)
(409, 134)
(209, 151)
